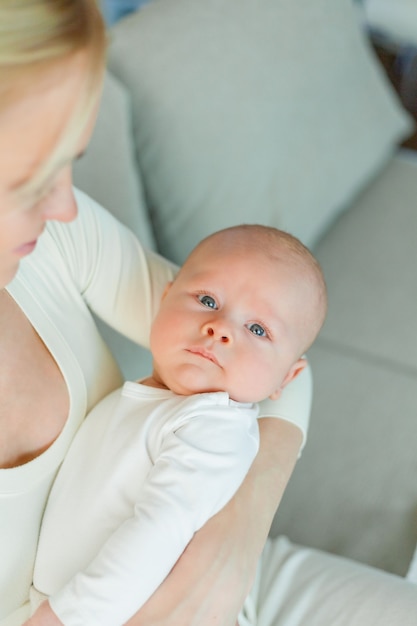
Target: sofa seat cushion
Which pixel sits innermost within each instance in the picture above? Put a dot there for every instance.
(273, 111)
(354, 490)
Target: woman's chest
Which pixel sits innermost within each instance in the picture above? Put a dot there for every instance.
(34, 397)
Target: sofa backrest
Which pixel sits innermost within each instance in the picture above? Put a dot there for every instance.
(216, 113)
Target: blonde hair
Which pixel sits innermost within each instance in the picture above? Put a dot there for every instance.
(35, 35)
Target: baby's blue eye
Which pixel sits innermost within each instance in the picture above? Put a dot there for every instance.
(208, 301)
(257, 329)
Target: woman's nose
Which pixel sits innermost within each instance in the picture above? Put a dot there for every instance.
(60, 204)
(217, 331)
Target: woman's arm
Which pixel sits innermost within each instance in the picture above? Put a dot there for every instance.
(223, 555)
(44, 616)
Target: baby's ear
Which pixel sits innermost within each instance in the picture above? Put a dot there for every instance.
(293, 372)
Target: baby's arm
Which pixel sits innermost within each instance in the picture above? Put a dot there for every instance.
(210, 581)
(198, 469)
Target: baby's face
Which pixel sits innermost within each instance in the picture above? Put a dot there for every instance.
(228, 323)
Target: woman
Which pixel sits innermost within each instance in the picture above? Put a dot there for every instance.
(61, 257)
(54, 363)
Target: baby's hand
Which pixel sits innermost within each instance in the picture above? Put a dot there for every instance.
(44, 616)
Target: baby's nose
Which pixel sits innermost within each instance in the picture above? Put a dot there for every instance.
(217, 333)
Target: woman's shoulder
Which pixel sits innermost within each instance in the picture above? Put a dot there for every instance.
(92, 220)
(88, 240)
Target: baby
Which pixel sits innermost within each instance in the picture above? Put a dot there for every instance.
(155, 459)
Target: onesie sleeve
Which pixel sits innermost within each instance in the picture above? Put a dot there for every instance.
(118, 278)
(198, 469)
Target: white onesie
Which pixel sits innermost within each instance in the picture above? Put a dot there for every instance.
(145, 471)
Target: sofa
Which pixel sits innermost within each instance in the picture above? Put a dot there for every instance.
(278, 112)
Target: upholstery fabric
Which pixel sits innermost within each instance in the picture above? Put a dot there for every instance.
(274, 112)
(357, 475)
(108, 171)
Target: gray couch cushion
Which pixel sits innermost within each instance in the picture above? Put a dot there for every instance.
(108, 171)
(370, 258)
(271, 111)
(354, 491)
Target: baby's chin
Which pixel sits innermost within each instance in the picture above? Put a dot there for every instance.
(190, 379)
(183, 389)
(188, 389)
(191, 385)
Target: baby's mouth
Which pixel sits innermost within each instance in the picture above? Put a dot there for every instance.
(205, 354)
